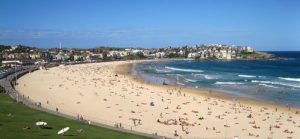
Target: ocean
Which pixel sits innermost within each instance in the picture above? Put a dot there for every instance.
(275, 81)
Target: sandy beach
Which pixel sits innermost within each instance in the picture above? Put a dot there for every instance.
(105, 93)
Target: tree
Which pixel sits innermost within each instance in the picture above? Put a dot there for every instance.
(138, 55)
(173, 55)
(3, 47)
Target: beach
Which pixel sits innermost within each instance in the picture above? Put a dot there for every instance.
(106, 93)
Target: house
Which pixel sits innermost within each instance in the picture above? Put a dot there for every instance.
(160, 54)
(249, 49)
(193, 55)
(61, 56)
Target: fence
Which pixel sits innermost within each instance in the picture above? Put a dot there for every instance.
(9, 81)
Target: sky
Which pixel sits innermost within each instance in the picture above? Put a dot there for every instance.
(266, 25)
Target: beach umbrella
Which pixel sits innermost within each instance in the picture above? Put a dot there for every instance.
(62, 131)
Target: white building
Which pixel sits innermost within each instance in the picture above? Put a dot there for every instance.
(193, 55)
(249, 49)
(160, 54)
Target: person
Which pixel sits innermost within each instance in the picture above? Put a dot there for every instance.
(56, 109)
(288, 106)
(134, 122)
(140, 122)
(187, 131)
(175, 133)
(151, 103)
(250, 115)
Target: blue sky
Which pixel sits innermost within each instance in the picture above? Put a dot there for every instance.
(262, 24)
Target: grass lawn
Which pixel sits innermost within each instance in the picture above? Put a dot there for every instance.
(14, 117)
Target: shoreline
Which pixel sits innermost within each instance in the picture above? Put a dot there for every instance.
(128, 67)
(10, 91)
(97, 93)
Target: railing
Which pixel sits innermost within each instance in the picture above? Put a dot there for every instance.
(8, 84)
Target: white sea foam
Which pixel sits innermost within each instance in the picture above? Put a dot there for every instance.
(277, 83)
(209, 77)
(162, 71)
(174, 74)
(290, 79)
(180, 83)
(228, 83)
(206, 76)
(184, 70)
(256, 81)
(271, 86)
(190, 80)
(247, 76)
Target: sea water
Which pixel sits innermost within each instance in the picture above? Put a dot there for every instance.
(275, 81)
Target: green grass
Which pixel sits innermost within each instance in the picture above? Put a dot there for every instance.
(11, 127)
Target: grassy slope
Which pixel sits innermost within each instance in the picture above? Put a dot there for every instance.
(11, 127)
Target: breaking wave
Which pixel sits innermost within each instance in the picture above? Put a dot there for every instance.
(290, 79)
(276, 83)
(162, 71)
(190, 80)
(184, 70)
(206, 76)
(180, 83)
(174, 74)
(271, 86)
(247, 76)
(228, 83)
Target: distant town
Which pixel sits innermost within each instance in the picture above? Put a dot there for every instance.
(25, 55)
